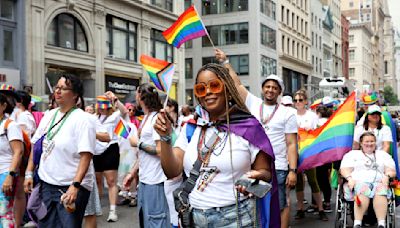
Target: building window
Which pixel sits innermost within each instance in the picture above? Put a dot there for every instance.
(8, 48)
(160, 49)
(283, 44)
(227, 34)
(240, 63)
(223, 6)
(66, 31)
(121, 38)
(165, 4)
(189, 98)
(351, 4)
(7, 9)
(282, 13)
(386, 67)
(189, 44)
(189, 68)
(268, 66)
(268, 8)
(268, 37)
(351, 39)
(351, 54)
(351, 72)
(187, 3)
(287, 16)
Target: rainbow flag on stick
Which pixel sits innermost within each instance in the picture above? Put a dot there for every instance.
(161, 72)
(188, 26)
(331, 141)
(122, 130)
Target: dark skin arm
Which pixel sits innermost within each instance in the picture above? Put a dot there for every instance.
(17, 148)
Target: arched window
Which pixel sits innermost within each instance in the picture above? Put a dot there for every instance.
(66, 31)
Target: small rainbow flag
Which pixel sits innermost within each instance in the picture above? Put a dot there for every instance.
(330, 141)
(188, 26)
(122, 130)
(161, 72)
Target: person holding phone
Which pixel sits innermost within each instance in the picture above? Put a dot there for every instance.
(225, 151)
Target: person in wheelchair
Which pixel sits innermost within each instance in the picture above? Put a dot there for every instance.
(367, 172)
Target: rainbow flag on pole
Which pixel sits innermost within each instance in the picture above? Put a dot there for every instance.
(161, 72)
(122, 130)
(330, 141)
(188, 26)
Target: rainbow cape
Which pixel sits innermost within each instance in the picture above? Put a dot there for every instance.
(331, 141)
(161, 72)
(188, 26)
(122, 130)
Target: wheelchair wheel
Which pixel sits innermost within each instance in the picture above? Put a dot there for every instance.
(391, 215)
(341, 212)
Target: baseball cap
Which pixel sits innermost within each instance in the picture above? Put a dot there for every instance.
(373, 109)
(327, 101)
(275, 78)
(9, 90)
(287, 100)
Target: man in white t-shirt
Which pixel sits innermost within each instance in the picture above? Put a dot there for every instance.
(280, 125)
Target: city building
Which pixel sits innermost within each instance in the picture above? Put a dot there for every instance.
(334, 63)
(317, 32)
(345, 47)
(12, 42)
(397, 61)
(389, 78)
(294, 44)
(101, 42)
(360, 57)
(371, 13)
(245, 31)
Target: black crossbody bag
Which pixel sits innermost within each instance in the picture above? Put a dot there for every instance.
(181, 194)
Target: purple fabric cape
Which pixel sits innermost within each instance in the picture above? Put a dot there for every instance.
(247, 126)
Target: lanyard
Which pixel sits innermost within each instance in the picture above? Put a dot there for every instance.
(206, 158)
(266, 120)
(50, 135)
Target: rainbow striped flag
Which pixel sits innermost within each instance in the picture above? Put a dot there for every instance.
(161, 72)
(188, 27)
(331, 141)
(122, 130)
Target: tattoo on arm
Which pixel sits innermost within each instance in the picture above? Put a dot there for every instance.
(152, 150)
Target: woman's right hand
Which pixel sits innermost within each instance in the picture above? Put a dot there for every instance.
(351, 183)
(28, 184)
(163, 123)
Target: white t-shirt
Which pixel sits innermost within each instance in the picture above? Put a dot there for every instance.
(362, 165)
(109, 124)
(150, 165)
(382, 135)
(220, 192)
(14, 132)
(26, 121)
(77, 134)
(283, 122)
(308, 121)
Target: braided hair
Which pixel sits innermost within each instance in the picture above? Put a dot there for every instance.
(223, 74)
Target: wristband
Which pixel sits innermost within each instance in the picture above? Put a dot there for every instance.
(28, 173)
(140, 146)
(166, 138)
(28, 176)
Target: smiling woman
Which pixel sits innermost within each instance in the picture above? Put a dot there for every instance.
(231, 145)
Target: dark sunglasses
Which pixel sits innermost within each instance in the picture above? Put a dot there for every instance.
(299, 100)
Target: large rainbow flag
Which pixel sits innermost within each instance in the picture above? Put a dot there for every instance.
(161, 72)
(188, 26)
(330, 141)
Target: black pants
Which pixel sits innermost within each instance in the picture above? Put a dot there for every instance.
(323, 175)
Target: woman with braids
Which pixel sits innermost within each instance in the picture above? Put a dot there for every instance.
(67, 137)
(230, 143)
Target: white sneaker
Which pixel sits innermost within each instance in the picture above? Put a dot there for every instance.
(112, 216)
(30, 224)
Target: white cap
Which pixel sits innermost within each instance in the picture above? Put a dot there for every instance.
(327, 100)
(287, 100)
(277, 79)
(373, 109)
